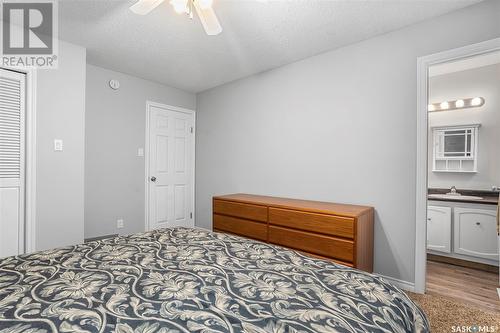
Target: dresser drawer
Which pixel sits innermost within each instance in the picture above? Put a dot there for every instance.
(247, 211)
(317, 256)
(320, 223)
(313, 243)
(240, 227)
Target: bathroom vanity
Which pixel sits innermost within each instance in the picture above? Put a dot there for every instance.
(463, 229)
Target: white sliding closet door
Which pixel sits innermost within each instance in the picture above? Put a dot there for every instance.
(12, 115)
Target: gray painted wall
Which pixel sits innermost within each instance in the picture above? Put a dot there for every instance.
(338, 127)
(61, 115)
(484, 82)
(115, 129)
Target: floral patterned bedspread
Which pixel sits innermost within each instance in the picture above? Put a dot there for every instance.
(192, 280)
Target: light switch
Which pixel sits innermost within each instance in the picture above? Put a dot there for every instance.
(140, 152)
(58, 145)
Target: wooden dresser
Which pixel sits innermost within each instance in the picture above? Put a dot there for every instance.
(342, 233)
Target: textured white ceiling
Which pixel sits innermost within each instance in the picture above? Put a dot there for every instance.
(171, 49)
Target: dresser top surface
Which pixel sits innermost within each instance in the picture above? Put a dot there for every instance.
(297, 204)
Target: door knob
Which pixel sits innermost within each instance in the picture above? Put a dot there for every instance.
(153, 179)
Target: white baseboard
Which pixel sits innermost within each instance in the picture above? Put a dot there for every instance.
(405, 285)
(202, 228)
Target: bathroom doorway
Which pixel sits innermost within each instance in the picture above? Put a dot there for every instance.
(457, 209)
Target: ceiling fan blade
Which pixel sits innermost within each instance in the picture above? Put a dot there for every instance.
(143, 7)
(208, 20)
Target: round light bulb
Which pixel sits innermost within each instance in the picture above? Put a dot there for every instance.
(444, 105)
(476, 101)
(180, 6)
(460, 103)
(431, 107)
(205, 4)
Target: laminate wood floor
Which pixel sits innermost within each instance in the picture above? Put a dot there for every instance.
(470, 286)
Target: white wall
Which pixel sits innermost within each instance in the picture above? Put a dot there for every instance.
(115, 129)
(60, 113)
(338, 127)
(484, 82)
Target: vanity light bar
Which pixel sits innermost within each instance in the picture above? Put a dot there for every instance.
(456, 105)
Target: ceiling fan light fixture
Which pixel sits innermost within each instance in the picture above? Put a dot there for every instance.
(205, 4)
(180, 6)
(203, 8)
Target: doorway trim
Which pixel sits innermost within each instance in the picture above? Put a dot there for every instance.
(29, 226)
(423, 64)
(31, 155)
(150, 104)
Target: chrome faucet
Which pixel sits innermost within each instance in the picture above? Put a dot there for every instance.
(453, 191)
(495, 188)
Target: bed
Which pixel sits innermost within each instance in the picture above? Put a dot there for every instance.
(193, 280)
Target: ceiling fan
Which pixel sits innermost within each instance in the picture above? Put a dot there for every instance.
(203, 9)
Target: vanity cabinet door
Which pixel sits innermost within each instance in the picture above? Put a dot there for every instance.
(475, 233)
(439, 228)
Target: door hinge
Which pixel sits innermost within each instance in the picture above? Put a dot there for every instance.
(191, 215)
(192, 129)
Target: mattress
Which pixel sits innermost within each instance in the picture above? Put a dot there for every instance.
(193, 280)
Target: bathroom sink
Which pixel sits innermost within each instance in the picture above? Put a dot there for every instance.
(454, 197)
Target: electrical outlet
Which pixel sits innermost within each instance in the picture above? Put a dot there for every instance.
(119, 223)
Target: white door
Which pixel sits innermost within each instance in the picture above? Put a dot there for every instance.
(12, 113)
(171, 167)
(439, 229)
